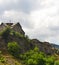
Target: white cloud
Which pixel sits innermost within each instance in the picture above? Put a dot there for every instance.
(39, 18)
(46, 23)
(18, 16)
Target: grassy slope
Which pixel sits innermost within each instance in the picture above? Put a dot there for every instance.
(10, 60)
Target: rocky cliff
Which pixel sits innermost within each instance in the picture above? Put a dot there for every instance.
(18, 35)
(14, 26)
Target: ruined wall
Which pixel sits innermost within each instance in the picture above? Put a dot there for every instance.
(17, 27)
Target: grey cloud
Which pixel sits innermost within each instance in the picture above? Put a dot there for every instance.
(24, 7)
(23, 18)
(27, 24)
(49, 34)
(20, 5)
(54, 28)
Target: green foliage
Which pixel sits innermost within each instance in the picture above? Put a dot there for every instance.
(8, 31)
(31, 62)
(50, 60)
(5, 33)
(36, 49)
(17, 34)
(0, 54)
(14, 48)
(2, 59)
(34, 57)
(21, 36)
(56, 62)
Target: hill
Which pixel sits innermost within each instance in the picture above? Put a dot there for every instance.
(13, 32)
(55, 46)
(13, 41)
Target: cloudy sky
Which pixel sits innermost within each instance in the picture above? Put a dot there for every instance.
(39, 18)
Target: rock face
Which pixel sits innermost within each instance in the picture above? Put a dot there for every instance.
(16, 27)
(2, 27)
(23, 42)
(43, 46)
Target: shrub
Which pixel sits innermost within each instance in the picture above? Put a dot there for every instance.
(30, 62)
(34, 57)
(56, 62)
(2, 59)
(50, 60)
(17, 34)
(14, 48)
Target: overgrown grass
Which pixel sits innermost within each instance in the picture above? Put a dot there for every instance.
(2, 59)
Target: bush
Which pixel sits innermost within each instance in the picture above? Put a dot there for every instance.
(14, 48)
(31, 62)
(56, 62)
(34, 57)
(17, 34)
(50, 60)
(2, 59)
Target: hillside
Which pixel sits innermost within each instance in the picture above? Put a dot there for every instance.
(10, 60)
(17, 34)
(55, 46)
(13, 38)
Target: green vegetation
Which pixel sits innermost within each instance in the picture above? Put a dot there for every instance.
(20, 36)
(56, 62)
(14, 48)
(8, 31)
(8, 60)
(34, 57)
(2, 59)
(17, 34)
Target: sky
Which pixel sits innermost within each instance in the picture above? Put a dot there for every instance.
(39, 18)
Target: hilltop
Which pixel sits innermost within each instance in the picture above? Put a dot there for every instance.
(13, 42)
(18, 35)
